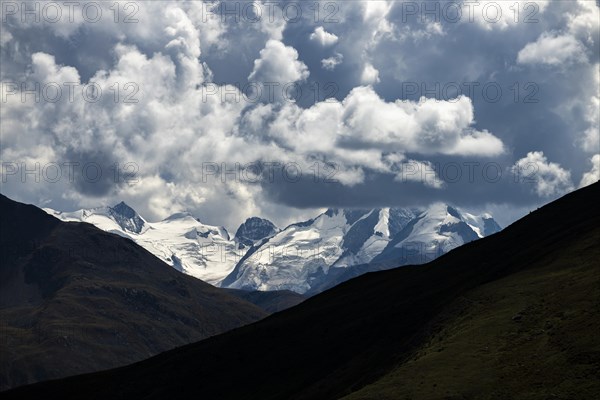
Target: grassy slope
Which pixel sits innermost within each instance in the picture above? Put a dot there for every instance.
(531, 335)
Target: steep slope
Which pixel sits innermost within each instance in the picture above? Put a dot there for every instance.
(340, 244)
(433, 232)
(76, 299)
(295, 257)
(254, 230)
(349, 336)
(525, 336)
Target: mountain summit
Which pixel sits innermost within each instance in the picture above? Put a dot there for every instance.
(306, 256)
(120, 219)
(204, 251)
(127, 218)
(255, 229)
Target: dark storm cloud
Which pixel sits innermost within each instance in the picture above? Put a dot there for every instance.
(545, 113)
(466, 182)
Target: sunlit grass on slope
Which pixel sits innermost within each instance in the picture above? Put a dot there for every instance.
(531, 335)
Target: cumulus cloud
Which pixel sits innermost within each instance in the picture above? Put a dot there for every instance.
(593, 175)
(552, 49)
(365, 121)
(500, 15)
(370, 75)
(278, 63)
(569, 45)
(428, 126)
(375, 14)
(165, 135)
(548, 178)
(583, 22)
(591, 137)
(323, 37)
(331, 62)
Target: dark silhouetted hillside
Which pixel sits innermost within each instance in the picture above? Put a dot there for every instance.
(75, 299)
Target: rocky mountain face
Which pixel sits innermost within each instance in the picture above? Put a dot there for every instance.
(254, 230)
(306, 255)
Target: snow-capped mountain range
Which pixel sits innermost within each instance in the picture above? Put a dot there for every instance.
(299, 257)
(181, 240)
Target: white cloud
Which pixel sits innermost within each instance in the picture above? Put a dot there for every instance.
(170, 129)
(278, 63)
(500, 15)
(591, 137)
(593, 175)
(419, 171)
(365, 122)
(273, 23)
(568, 45)
(332, 62)
(583, 21)
(375, 16)
(323, 37)
(211, 30)
(548, 178)
(369, 75)
(553, 49)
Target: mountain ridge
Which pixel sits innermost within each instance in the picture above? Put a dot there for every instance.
(301, 257)
(75, 298)
(365, 327)
(308, 256)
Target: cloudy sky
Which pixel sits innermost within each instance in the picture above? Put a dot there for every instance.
(280, 109)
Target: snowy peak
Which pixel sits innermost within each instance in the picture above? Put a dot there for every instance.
(127, 218)
(302, 256)
(253, 230)
(195, 228)
(490, 226)
(453, 212)
(483, 224)
(178, 216)
(353, 215)
(370, 234)
(399, 218)
(436, 230)
(123, 209)
(120, 219)
(181, 240)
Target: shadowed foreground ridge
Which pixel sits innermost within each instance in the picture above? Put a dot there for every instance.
(75, 299)
(514, 315)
